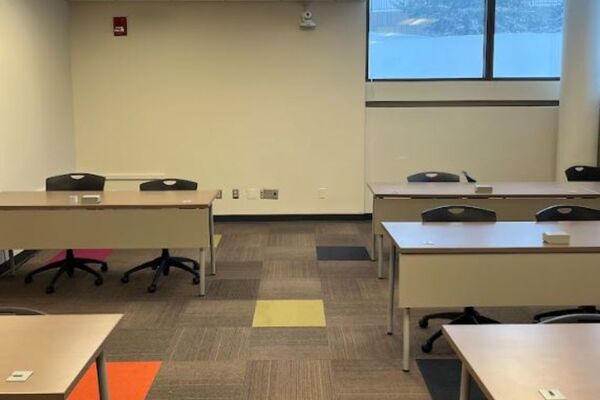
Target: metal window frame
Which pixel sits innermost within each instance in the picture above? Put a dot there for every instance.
(488, 54)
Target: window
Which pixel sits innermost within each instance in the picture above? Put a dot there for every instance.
(464, 39)
(528, 40)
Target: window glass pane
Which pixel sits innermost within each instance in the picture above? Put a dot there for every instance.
(421, 39)
(528, 39)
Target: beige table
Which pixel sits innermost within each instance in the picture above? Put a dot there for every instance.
(122, 220)
(500, 264)
(516, 361)
(512, 201)
(57, 348)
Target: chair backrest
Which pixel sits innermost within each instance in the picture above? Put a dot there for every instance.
(168, 184)
(583, 173)
(458, 214)
(568, 213)
(433, 176)
(19, 311)
(75, 181)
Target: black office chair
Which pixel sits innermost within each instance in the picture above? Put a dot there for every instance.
(469, 316)
(567, 213)
(72, 182)
(583, 173)
(433, 176)
(163, 264)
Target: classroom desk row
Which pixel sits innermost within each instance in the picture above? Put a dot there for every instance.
(512, 201)
(500, 264)
(121, 220)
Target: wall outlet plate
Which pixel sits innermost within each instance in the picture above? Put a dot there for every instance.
(269, 194)
(322, 193)
(19, 376)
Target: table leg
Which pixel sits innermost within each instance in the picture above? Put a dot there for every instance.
(406, 340)
(102, 377)
(202, 272)
(465, 383)
(211, 228)
(391, 288)
(374, 248)
(11, 259)
(379, 240)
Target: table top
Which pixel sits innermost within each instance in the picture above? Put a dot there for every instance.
(491, 237)
(500, 189)
(57, 348)
(516, 361)
(110, 199)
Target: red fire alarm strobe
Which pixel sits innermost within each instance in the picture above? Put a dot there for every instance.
(120, 26)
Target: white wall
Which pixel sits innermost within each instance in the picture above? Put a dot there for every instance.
(36, 119)
(234, 95)
(231, 94)
(580, 89)
(492, 143)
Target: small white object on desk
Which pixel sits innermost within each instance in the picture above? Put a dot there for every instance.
(19, 376)
(73, 199)
(552, 394)
(91, 199)
(484, 189)
(557, 238)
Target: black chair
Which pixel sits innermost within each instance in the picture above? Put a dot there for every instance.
(567, 213)
(72, 182)
(433, 176)
(163, 264)
(469, 316)
(583, 173)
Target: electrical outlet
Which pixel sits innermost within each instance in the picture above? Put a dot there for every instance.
(219, 194)
(235, 194)
(269, 194)
(322, 193)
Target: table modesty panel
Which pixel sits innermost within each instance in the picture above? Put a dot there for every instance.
(57, 348)
(496, 280)
(391, 209)
(105, 227)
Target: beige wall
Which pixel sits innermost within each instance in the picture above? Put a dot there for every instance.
(233, 95)
(36, 120)
(492, 143)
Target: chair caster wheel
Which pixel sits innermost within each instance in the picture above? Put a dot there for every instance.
(104, 268)
(196, 281)
(50, 290)
(28, 279)
(423, 323)
(98, 282)
(124, 279)
(151, 288)
(427, 348)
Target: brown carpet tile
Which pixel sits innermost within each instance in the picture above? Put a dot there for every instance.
(208, 347)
